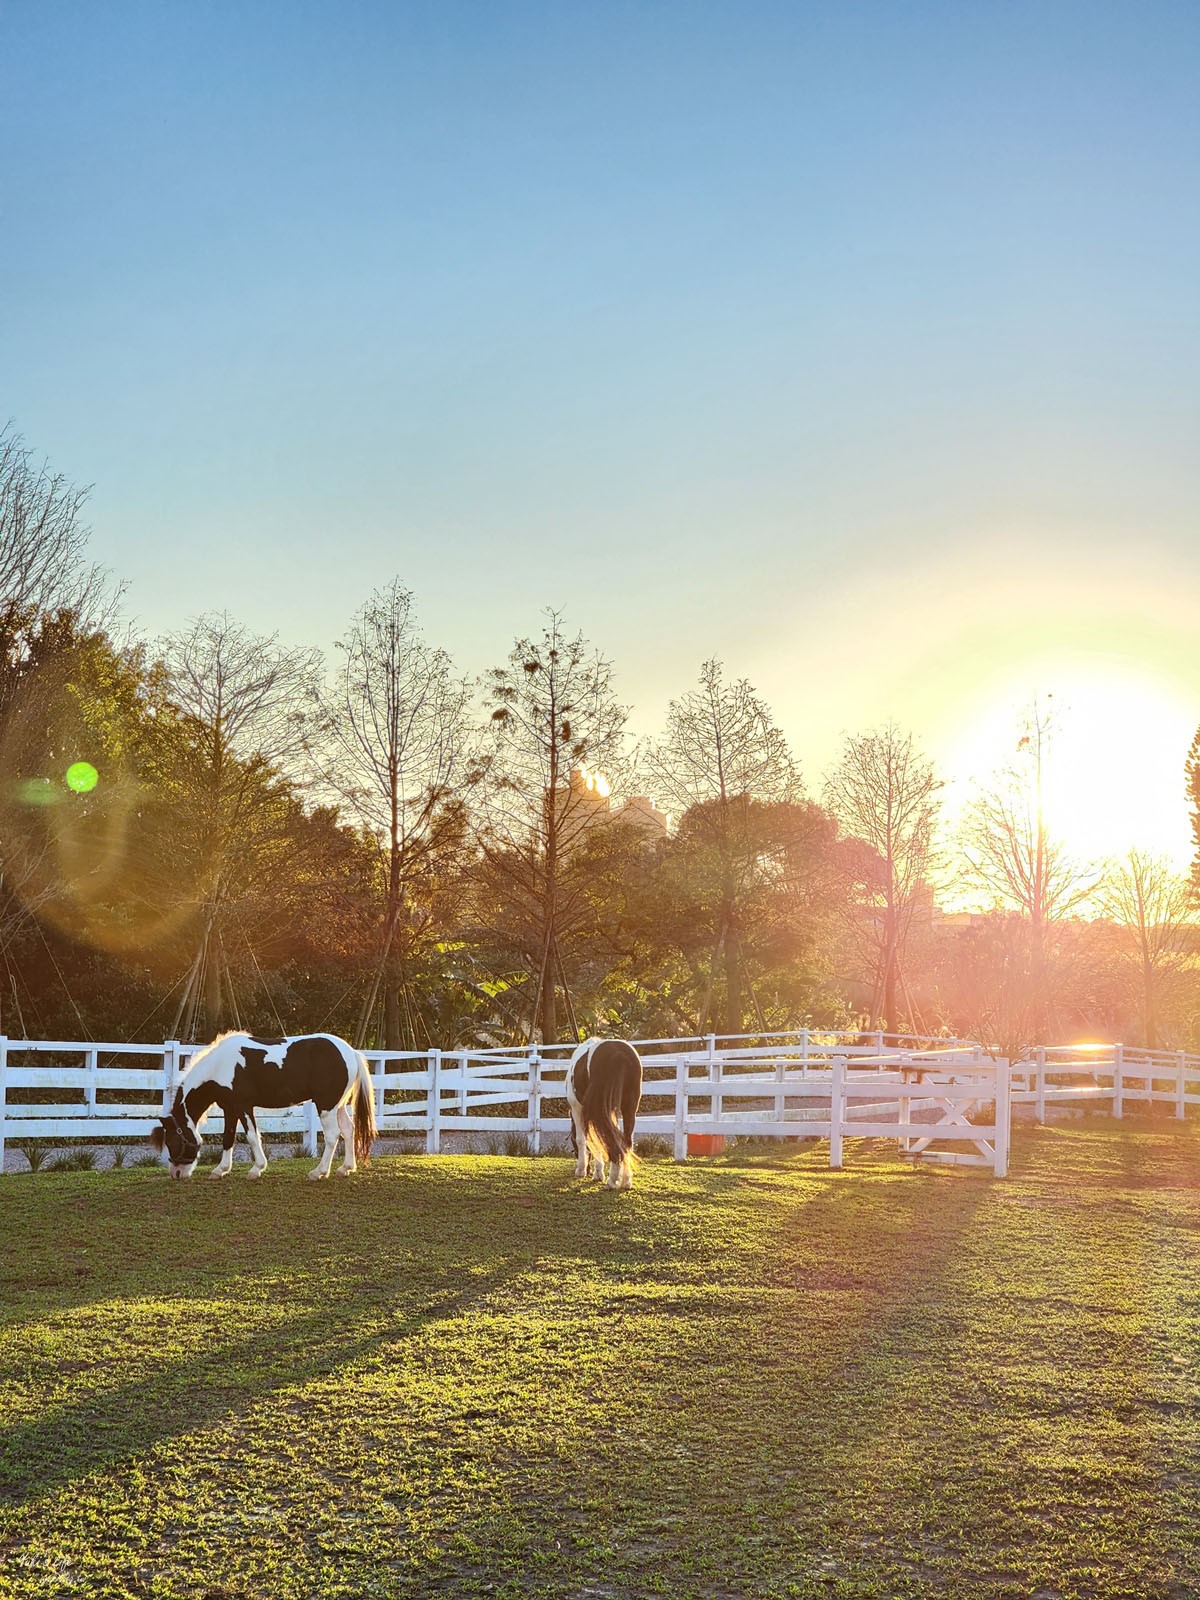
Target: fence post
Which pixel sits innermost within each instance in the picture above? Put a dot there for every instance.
(1180, 1067)
(716, 1103)
(837, 1110)
(1118, 1080)
(535, 1104)
(91, 1058)
(780, 1080)
(879, 1048)
(310, 1128)
(3, 1093)
(804, 1052)
(170, 1072)
(379, 1087)
(1002, 1116)
(1040, 1058)
(461, 1058)
(681, 1099)
(433, 1105)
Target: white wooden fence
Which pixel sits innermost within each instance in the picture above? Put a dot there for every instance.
(1116, 1074)
(940, 1100)
(926, 1094)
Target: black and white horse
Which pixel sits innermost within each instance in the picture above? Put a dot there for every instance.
(604, 1078)
(240, 1073)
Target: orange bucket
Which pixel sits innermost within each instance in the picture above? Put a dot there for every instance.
(705, 1144)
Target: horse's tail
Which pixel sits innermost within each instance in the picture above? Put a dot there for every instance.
(364, 1112)
(598, 1111)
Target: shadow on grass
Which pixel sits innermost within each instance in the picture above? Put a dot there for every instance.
(95, 1432)
(931, 1430)
(729, 1435)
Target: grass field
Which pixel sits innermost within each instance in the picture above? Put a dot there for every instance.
(466, 1376)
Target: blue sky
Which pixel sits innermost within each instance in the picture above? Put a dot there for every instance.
(856, 343)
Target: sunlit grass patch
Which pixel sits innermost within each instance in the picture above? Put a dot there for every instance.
(470, 1375)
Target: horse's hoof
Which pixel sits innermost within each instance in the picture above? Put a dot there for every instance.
(256, 1172)
(219, 1172)
(347, 1172)
(316, 1174)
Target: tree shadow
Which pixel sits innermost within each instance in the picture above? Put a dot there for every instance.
(95, 1432)
(744, 1399)
(888, 1450)
(781, 1324)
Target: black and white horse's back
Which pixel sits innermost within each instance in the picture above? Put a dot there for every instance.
(241, 1073)
(604, 1083)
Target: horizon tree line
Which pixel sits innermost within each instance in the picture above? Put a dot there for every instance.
(395, 851)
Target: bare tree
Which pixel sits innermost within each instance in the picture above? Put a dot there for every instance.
(244, 707)
(397, 747)
(53, 607)
(721, 754)
(42, 543)
(1153, 905)
(556, 725)
(884, 792)
(1010, 853)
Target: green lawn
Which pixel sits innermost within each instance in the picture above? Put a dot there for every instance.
(878, 1382)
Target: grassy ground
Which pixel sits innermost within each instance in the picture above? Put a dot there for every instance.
(465, 1376)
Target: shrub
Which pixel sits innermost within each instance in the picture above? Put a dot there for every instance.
(81, 1160)
(653, 1146)
(36, 1151)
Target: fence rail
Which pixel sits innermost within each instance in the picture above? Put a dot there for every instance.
(1070, 1074)
(940, 1100)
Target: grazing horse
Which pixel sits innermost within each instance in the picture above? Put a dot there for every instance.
(239, 1072)
(604, 1077)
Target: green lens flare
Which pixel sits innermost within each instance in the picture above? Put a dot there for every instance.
(82, 777)
(37, 792)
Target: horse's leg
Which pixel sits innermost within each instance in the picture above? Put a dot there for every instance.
(618, 1169)
(581, 1149)
(345, 1119)
(258, 1161)
(629, 1110)
(228, 1140)
(329, 1127)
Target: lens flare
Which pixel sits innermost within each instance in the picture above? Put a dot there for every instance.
(82, 777)
(37, 792)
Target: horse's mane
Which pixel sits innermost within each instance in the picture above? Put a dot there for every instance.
(198, 1060)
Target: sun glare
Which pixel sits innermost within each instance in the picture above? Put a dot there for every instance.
(1113, 772)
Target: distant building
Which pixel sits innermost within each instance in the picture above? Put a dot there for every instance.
(640, 812)
(587, 802)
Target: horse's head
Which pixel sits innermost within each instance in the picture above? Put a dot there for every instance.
(176, 1134)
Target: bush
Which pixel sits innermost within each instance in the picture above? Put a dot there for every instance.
(82, 1160)
(132, 1153)
(653, 1146)
(36, 1151)
(515, 1143)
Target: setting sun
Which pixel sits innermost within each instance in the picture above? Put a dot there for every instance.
(1113, 764)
